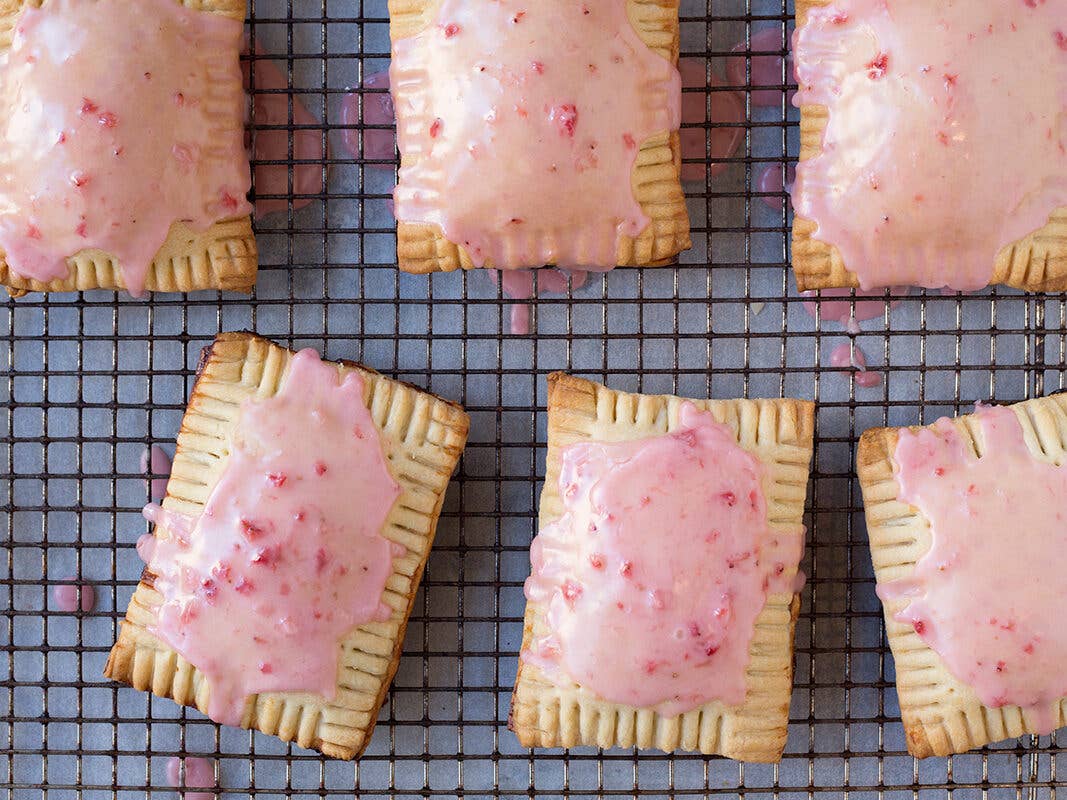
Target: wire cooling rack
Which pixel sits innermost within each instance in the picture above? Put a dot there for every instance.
(90, 378)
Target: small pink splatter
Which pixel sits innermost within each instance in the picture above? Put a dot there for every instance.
(772, 185)
(271, 108)
(378, 144)
(520, 284)
(199, 774)
(768, 68)
(846, 356)
(155, 460)
(72, 595)
(715, 138)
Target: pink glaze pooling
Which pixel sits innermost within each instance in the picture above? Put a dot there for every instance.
(658, 621)
(156, 462)
(706, 146)
(851, 355)
(378, 144)
(288, 555)
(105, 147)
(270, 107)
(526, 284)
(74, 595)
(199, 774)
(521, 146)
(946, 133)
(845, 309)
(986, 596)
(768, 68)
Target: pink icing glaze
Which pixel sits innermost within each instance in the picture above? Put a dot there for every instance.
(260, 589)
(660, 621)
(845, 309)
(771, 184)
(766, 70)
(155, 460)
(946, 135)
(852, 355)
(527, 133)
(271, 107)
(987, 594)
(721, 138)
(520, 284)
(106, 146)
(74, 595)
(199, 773)
(378, 144)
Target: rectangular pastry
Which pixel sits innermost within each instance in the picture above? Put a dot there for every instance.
(286, 555)
(966, 525)
(122, 160)
(932, 141)
(535, 134)
(664, 589)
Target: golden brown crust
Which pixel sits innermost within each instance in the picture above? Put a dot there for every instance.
(780, 433)
(422, 437)
(1035, 263)
(941, 715)
(222, 257)
(656, 181)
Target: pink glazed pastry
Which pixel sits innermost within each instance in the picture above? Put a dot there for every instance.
(121, 138)
(258, 591)
(971, 561)
(288, 551)
(536, 133)
(664, 575)
(934, 144)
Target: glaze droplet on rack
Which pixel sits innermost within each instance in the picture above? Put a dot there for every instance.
(74, 595)
(199, 774)
(660, 622)
(92, 161)
(258, 591)
(981, 596)
(156, 462)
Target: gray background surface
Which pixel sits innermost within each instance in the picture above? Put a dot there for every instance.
(89, 379)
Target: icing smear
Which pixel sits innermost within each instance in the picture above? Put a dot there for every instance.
(946, 138)
(986, 595)
(658, 621)
(105, 147)
(521, 145)
(288, 555)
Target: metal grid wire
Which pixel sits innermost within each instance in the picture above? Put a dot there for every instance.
(90, 378)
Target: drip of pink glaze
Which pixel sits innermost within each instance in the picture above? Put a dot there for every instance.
(523, 284)
(378, 144)
(851, 355)
(118, 121)
(704, 149)
(846, 310)
(767, 68)
(260, 589)
(940, 150)
(155, 460)
(74, 595)
(662, 621)
(771, 184)
(270, 106)
(199, 774)
(985, 595)
(521, 147)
